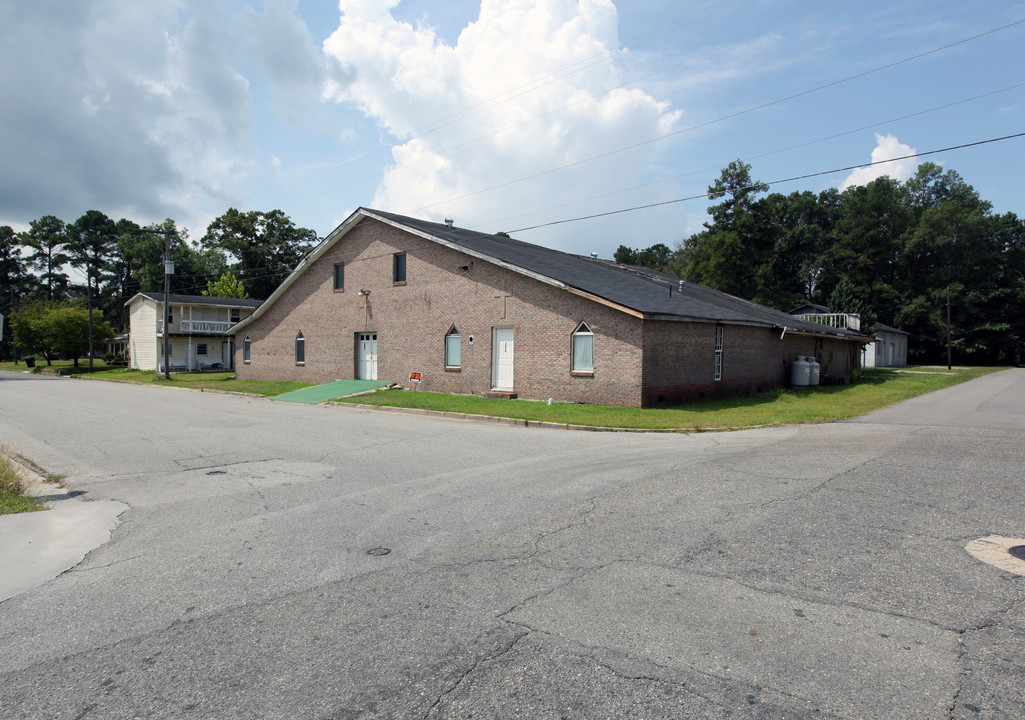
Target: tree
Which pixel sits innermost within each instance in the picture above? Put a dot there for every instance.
(47, 238)
(725, 255)
(13, 277)
(14, 280)
(266, 246)
(51, 328)
(92, 238)
(656, 257)
(228, 286)
(844, 299)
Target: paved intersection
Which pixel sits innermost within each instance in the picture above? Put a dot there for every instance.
(817, 571)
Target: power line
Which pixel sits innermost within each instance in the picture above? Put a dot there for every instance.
(764, 154)
(730, 116)
(773, 182)
(529, 87)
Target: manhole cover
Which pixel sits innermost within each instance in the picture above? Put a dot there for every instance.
(1018, 551)
(378, 551)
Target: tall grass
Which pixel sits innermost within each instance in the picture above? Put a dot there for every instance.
(12, 493)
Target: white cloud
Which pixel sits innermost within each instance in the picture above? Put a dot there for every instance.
(887, 148)
(513, 64)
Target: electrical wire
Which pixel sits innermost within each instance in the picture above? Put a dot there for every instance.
(730, 116)
(749, 158)
(758, 186)
(526, 88)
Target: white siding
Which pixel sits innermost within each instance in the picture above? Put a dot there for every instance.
(142, 328)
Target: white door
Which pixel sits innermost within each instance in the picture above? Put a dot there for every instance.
(367, 357)
(502, 362)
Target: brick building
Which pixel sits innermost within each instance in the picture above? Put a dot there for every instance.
(384, 296)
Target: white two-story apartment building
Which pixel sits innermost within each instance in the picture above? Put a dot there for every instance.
(200, 333)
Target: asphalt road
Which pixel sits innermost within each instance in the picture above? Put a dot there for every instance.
(810, 572)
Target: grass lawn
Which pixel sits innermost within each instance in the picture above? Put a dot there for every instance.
(58, 365)
(199, 381)
(876, 389)
(12, 497)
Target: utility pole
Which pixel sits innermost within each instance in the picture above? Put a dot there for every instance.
(89, 301)
(168, 271)
(948, 327)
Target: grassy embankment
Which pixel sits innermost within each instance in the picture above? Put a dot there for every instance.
(12, 493)
(874, 390)
(200, 381)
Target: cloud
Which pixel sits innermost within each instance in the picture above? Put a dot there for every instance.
(129, 108)
(288, 56)
(887, 147)
(525, 89)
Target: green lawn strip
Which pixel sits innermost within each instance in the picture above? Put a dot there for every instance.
(200, 381)
(874, 390)
(57, 366)
(12, 495)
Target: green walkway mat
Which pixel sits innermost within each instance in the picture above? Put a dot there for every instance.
(328, 391)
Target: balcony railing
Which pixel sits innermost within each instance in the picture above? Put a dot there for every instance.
(198, 326)
(204, 326)
(842, 321)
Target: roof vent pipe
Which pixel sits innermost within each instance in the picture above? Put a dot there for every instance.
(594, 256)
(449, 221)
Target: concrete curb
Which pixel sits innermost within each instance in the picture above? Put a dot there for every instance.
(519, 422)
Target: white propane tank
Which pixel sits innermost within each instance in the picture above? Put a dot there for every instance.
(800, 372)
(813, 379)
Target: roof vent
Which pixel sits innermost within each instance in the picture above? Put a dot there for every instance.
(681, 286)
(449, 221)
(594, 256)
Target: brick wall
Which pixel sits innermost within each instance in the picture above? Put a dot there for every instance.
(635, 363)
(412, 320)
(679, 360)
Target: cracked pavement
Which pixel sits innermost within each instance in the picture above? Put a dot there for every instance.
(810, 572)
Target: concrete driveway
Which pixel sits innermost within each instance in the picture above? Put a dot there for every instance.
(294, 561)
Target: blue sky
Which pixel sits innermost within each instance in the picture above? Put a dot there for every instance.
(502, 114)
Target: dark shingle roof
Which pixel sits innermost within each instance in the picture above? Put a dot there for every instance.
(201, 300)
(652, 293)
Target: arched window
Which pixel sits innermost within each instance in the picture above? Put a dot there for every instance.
(583, 349)
(300, 349)
(453, 348)
(246, 349)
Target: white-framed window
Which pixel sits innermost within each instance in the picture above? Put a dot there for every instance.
(718, 352)
(201, 348)
(453, 348)
(235, 315)
(246, 349)
(583, 349)
(339, 276)
(300, 349)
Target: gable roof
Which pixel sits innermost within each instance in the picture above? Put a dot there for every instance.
(197, 300)
(637, 291)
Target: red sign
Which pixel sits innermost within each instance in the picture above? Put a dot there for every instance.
(414, 377)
